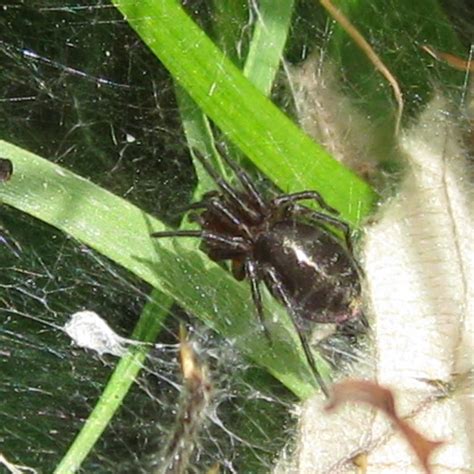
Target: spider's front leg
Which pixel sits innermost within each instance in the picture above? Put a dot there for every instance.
(226, 243)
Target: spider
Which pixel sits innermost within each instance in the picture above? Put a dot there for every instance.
(295, 251)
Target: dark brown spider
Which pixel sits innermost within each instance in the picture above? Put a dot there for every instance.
(294, 250)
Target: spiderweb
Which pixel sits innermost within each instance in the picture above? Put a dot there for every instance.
(81, 89)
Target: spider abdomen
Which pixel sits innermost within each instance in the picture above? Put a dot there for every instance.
(314, 269)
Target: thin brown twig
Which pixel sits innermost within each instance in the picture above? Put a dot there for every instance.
(352, 31)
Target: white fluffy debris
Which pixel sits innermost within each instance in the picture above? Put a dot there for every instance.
(331, 118)
(89, 331)
(419, 264)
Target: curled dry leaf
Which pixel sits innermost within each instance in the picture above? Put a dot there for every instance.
(330, 118)
(363, 391)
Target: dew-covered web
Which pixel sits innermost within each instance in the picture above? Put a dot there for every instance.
(80, 89)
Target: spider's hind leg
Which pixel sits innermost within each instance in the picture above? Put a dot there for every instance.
(252, 275)
(293, 198)
(278, 289)
(321, 218)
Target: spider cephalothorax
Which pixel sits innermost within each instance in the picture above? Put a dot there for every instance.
(294, 250)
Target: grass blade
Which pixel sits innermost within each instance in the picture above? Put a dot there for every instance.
(250, 120)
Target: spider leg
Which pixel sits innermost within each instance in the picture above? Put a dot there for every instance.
(213, 204)
(227, 189)
(252, 275)
(325, 219)
(202, 204)
(303, 195)
(279, 289)
(334, 221)
(245, 181)
(225, 214)
(195, 206)
(219, 210)
(177, 233)
(229, 243)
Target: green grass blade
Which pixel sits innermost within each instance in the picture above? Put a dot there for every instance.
(230, 28)
(268, 42)
(197, 130)
(147, 329)
(250, 120)
(261, 67)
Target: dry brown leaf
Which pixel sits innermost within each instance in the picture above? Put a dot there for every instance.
(363, 391)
